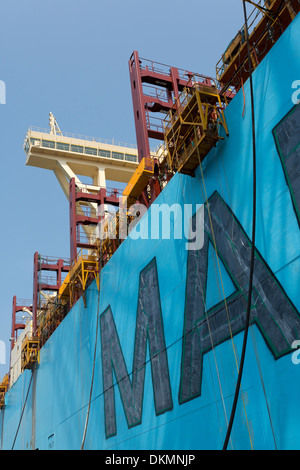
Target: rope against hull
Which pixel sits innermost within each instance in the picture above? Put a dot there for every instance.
(247, 323)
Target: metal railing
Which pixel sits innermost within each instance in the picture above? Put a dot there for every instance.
(22, 318)
(182, 102)
(24, 302)
(82, 137)
(152, 66)
(53, 260)
(47, 280)
(154, 92)
(87, 211)
(90, 188)
(87, 238)
(185, 96)
(57, 144)
(253, 20)
(154, 123)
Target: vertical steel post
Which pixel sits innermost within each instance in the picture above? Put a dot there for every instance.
(72, 205)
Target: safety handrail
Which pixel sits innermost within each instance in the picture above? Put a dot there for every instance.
(81, 137)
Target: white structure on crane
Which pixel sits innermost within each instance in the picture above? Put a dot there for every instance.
(70, 156)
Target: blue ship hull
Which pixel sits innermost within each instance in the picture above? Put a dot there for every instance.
(165, 373)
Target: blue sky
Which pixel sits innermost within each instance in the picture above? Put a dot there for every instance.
(71, 58)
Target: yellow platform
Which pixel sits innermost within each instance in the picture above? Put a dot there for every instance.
(138, 181)
(30, 353)
(3, 390)
(76, 279)
(192, 128)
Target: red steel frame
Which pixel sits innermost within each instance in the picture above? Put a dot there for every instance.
(262, 37)
(76, 195)
(155, 88)
(17, 306)
(58, 266)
